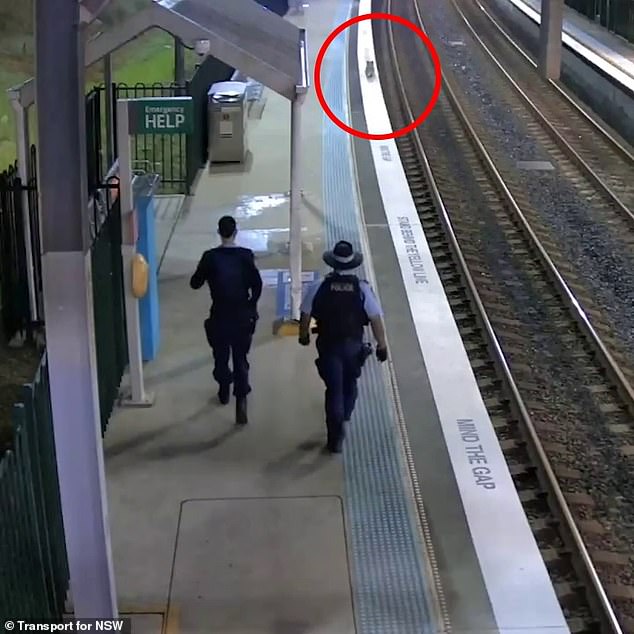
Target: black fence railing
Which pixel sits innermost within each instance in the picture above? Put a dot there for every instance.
(109, 305)
(15, 300)
(165, 155)
(94, 146)
(107, 276)
(176, 159)
(34, 579)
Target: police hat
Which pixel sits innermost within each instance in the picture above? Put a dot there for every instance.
(343, 257)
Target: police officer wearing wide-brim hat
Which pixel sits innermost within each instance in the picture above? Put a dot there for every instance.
(342, 305)
(235, 285)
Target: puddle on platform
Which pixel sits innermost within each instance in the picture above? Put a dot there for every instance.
(265, 240)
(253, 206)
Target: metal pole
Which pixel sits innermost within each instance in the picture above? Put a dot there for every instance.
(179, 62)
(295, 224)
(138, 398)
(107, 80)
(22, 134)
(550, 34)
(70, 336)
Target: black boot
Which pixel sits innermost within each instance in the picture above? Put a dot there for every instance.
(241, 411)
(224, 393)
(334, 443)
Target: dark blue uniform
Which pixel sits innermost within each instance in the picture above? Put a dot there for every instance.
(342, 305)
(235, 286)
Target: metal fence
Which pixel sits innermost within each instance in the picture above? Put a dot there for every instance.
(177, 159)
(34, 579)
(94, 147)
(165, 155)
(615, 15)
(107, 289)
(14, 263)
(109, 304)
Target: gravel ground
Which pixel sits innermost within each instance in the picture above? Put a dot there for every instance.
(606, 262)
(17, 367)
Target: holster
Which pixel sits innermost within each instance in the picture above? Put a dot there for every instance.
(364, 353)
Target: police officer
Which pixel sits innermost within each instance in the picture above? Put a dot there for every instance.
(341, 305)
(235, 286)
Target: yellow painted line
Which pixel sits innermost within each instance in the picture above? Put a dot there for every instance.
(283, 328)
(126, 610)
(286, 328)
(172, 622)
(150, 609)
(130, 615)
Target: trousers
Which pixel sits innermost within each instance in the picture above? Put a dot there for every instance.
(339, 366)
(231, 337)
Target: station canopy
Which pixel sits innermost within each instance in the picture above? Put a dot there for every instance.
(241, 33)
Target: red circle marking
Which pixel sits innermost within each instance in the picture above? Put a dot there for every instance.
(437, 70)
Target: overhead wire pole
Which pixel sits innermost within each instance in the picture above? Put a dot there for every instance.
(68, 304)
(550, 36)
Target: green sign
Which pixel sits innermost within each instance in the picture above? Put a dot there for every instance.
(169, 115)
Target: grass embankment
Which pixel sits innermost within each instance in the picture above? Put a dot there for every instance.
(146, 60)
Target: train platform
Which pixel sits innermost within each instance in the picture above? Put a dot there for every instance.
(611, 54)
(417, 527)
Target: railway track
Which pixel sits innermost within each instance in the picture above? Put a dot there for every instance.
(561, 404)
(594, 160)
(603, 160)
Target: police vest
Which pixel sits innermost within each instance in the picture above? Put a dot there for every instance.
(229, 283)
(338, 308)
